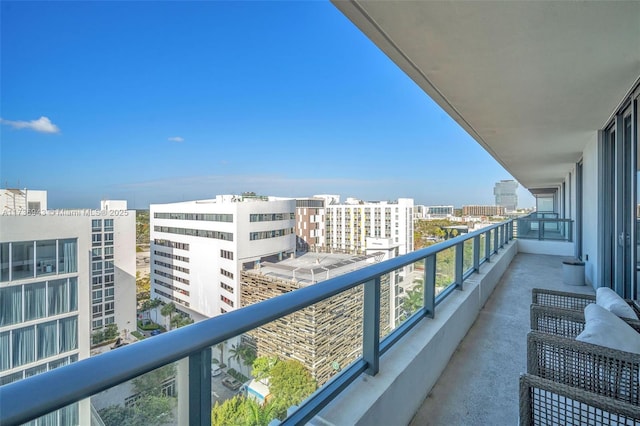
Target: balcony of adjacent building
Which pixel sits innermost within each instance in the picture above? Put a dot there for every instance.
(454, 358)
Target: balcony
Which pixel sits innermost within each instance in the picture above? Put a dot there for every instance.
(388, 367)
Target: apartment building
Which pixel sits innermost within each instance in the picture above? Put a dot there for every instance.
(349, 225)
(483, 211)
(310, 224)
(506, 194)
(199, 248)
(63, 275)
(327, 336)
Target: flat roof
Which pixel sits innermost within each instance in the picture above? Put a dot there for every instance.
(310, 268)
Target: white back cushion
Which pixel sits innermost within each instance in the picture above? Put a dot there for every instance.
(606, 329)
(610, 300)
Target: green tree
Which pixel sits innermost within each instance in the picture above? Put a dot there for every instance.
(148, 410)
(111, 331)
(262, 366)
(168, 311)
(413, 300)
(230, 413)
(289, 383)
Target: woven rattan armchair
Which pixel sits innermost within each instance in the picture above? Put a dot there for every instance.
(563, 322)
(598, 369)
(565, 300)
(545, 402)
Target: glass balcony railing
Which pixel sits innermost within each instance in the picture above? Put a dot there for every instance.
(544, 226)
(340, 326)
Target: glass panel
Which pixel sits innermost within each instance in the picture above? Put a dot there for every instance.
(10, 305)
(4, 261)
(445, 268)
(467, 259)
(68, 255)
(410, 296)
(45, 257)
(35, 370)
(24, 346)
(68, 334)
(73, 294)
(483, 239)
(58, 297)
(108, 224)
(5, 355)
(150, 399)
(492, 240)
(47, 339)
(10, 378)
(35, 298)
(22, 261)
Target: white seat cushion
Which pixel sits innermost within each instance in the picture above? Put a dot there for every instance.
(606, 329)
(610, 300)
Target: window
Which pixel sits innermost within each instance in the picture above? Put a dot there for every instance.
(96, 225)
(226, 300)
(108, 239)
(172, 277)
(269, 217)
(270, 234)
(96, 296)
(171, 256)
(10, 305)
(108, 252)
(35, 302)
(226, 273)
(22, 261)
(108, 224)
(96, 324)
(68, 334)
(96, 311)
(223, 311)
(172, 244)
(96, 281)
(225, 254)
(96, 253)
(58, 297)
(226, 287)
(212, 217)
(5, 354)
(108, 308)
(109, 320)
(171, 266)
(109, 294)
(24, 346)
(226, 236)
(96, 268)
(4, 261)
(96, 239)
(45, 257)
(108, 266)
(47, 335)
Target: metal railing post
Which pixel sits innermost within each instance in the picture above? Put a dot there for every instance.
(495, 240)
(429, 287)
(200, 388)
(371, 326)
(476, 253)
(459, 265)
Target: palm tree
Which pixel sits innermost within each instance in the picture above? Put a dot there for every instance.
(221, 347)
(168, 310)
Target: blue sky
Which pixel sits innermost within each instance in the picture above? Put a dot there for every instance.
(167, 101)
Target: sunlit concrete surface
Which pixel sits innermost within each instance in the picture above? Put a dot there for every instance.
(480, 384)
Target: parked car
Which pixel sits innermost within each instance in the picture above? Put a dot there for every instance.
(231, 383)
(155, 332)
(216, 371)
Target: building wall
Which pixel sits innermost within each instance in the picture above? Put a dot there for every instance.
(591, 200)
(349, 225)
(483, 211)
(310, 224)
(322, 337)
(206, 284)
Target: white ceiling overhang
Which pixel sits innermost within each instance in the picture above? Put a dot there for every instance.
(531, 81)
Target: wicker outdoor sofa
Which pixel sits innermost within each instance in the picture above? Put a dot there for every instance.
(570, 381)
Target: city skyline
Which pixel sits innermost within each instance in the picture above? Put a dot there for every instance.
(166, 102)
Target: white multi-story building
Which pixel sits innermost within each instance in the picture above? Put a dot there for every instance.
(349, 225)
(198, 248)
(310, 223)
(63, 274)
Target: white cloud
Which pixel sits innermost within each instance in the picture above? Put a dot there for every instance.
(176, 139)
(42, 125)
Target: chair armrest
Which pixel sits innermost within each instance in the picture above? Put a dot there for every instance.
(558, 321)
(544, 402)
(598, 369)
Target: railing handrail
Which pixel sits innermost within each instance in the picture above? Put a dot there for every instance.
(32, 397)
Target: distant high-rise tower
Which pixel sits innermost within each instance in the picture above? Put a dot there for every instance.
(506, 196)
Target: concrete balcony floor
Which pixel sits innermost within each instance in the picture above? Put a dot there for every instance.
(479, 386)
